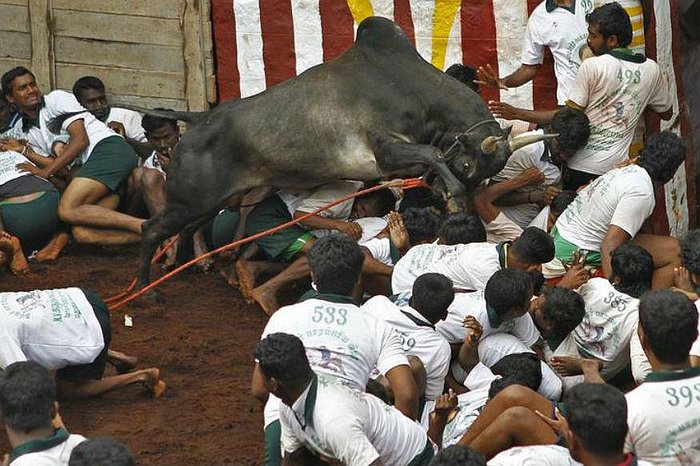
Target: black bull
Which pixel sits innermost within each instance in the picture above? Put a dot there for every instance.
(377, 111)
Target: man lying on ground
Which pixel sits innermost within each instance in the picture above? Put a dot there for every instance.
(68, 331)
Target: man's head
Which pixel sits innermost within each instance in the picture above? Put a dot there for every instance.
(560, 202)
(523, 368)
(508, 293)
(458, 455)
(101, 451)
(20, 88)
(597, 421)
(557, 312)
(609, 27)
(668, 326)
(283, 362)
(573, 129)
(533, 248)
(432, 295)
(162, 133)
(27, 397)
(336, 264)
(422, 225)
(690, 255)
(374, 204)
(91, 94)
(465, 74)
(462, 228)
(661, 156)
(633, 269)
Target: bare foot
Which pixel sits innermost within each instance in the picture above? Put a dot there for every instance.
(266, 300)
(229, 274)
(247, 273)
(18, 263)
(121, 362)
(52, 250)
(567, 366)
(682, 279)
(153, 382)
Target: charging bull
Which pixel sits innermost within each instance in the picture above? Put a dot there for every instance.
(377, 111)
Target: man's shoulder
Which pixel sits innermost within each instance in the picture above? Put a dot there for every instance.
(121, 114)
(59, 96)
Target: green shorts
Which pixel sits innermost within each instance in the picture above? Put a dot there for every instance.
(273, 445)
(33, 222)
(110, 162)
(223, 228)
(284, 244)
(96, 369)
(564, 250)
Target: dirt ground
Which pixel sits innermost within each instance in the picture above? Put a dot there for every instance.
(201, 337)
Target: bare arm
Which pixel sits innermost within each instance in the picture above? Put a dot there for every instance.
(405, 390)
(615, 237)
(78, 142)
(316, 222)
(488, 77)
(508, 112)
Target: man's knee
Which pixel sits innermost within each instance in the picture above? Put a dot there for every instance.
(152, 179)
(518, 417)
(82, 235)
(66, 210)
(515, 396)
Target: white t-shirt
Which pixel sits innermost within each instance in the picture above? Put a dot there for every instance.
(607, 326)
(663, 415)
(522, 159)
(55, 328)
(565, 34)
(349, 426)
(418, 338)
(131, 121)
(55, 456)
(614, 93)
(541, 220)
(623, 197)
(380, 250)
(57, 103)
(153, 163)
(474, 304)
(8, 166)
(534, 455)
(469, 266)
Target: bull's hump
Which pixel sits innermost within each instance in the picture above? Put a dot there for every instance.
(383, 35)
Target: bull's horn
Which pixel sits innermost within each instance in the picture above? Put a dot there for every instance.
(522, 140)
(488, 145)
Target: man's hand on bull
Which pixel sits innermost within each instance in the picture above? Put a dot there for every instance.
(489, 78)
(505, 111)
(352, 229)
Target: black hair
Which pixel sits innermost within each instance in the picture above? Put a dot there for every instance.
(534, 246)
(383, 201)
(661, 155)
(597, 416)
(500, 384)
(10, 76)
(508, 289)
(670, 324)
(462, 228)
(431, 296)
(465, 74)
(458, 455)
(101, 451)
(375, 388)
(612, 20)
(421, 197)
(561, 201)
(336, 264)
(526, 368)
(283, 357)
(573, 128)
(85, 83)
(150, 123)
(538, 281)
(564, 308)
(635, 268)
(421, 223)
(27, 396)
(690, 251)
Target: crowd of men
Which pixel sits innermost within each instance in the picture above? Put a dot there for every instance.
(548, 326)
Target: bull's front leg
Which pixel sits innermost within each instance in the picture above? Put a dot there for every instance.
(397, 157)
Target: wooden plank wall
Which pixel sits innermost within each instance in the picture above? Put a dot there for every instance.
(149, 53)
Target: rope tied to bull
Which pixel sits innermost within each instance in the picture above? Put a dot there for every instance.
(115, 303)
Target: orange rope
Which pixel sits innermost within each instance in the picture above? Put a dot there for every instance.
(404, 184)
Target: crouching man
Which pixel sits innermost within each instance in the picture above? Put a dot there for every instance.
(68, 331)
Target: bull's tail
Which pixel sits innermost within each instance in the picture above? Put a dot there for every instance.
(188, 117)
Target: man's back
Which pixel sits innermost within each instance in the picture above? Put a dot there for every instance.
(623, 197)
(57, 455)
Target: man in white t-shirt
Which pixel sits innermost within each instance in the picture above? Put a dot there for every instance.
(341, 339)
(30, 413)
(89, 201)
(91, 94)
(663, 413)
(610, 211)
(68, 331)
(470, 266)
(323, 417)
(559, 25)
(414, 323)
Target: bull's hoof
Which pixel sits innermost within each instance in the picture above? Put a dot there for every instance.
(457, 204)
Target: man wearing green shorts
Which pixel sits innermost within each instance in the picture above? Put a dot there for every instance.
(88, 203)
